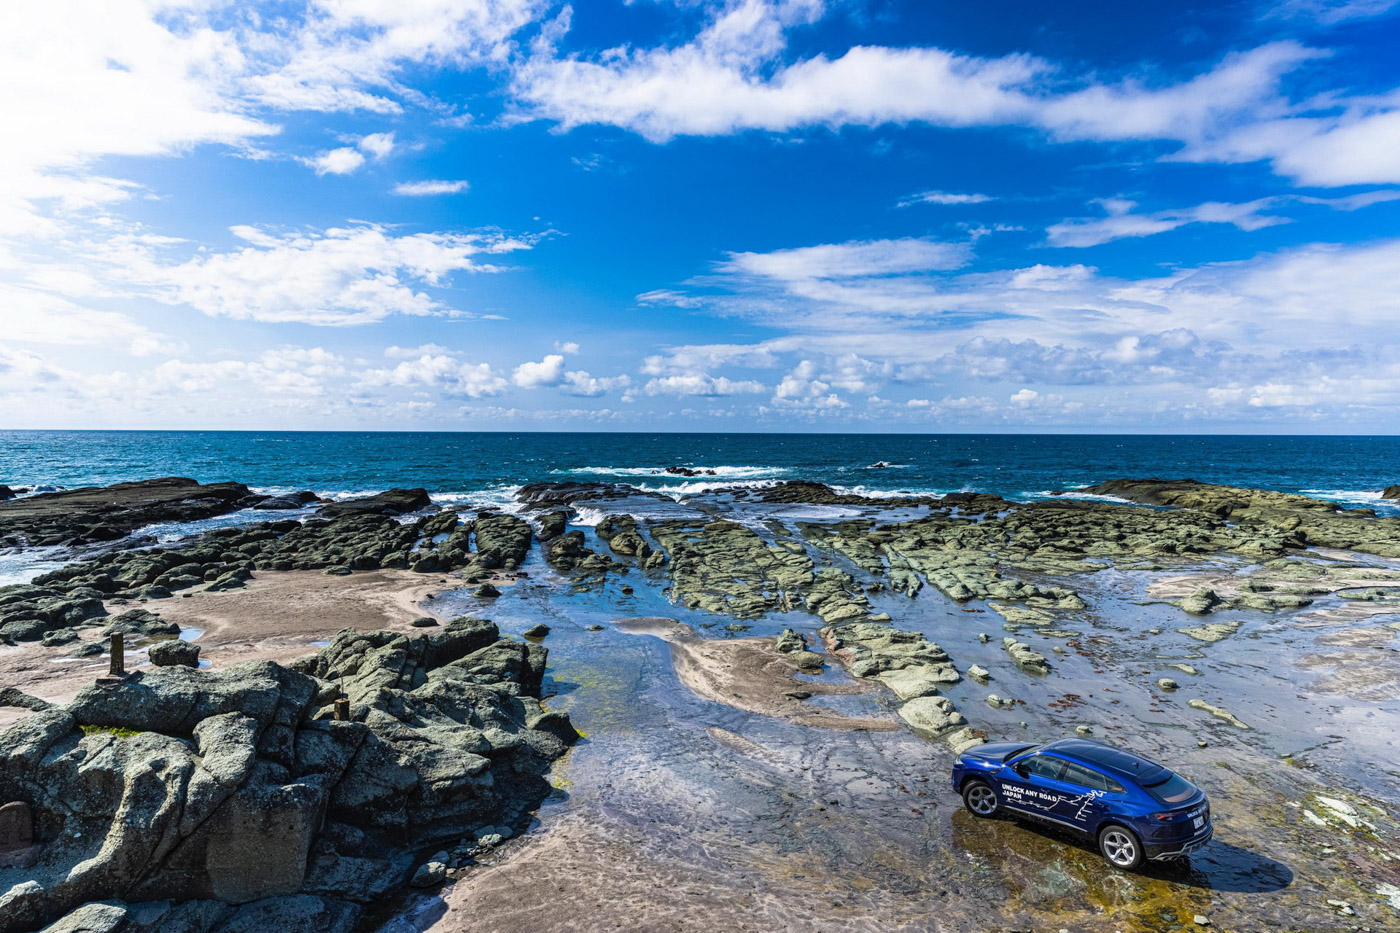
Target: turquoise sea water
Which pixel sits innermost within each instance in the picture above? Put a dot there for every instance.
(487, 467)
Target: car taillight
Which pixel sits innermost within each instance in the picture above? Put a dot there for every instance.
(1163, 817)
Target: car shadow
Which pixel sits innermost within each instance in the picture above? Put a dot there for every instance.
(1220, 866)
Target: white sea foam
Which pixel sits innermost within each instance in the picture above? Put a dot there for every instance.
(589, 516)
(719, 472)
(1365, 498)
(870, 492)
(1074, 493)
(692, 487)
(23, 566)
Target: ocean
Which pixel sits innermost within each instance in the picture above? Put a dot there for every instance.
(486, 468)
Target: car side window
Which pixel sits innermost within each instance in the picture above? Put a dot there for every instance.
(1084, 777)
(1044, 766)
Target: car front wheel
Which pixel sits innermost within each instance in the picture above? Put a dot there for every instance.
(980, 799)
(1121, 847)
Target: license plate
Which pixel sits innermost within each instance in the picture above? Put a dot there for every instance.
(1198, 822)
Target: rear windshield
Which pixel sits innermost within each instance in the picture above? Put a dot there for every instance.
(1174, 790)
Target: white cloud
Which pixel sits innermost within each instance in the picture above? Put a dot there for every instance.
(340, 161)
(1123, 222)
(406, 353)
(1024, 397)
(428, 188)
(36, 315)
(734, 76)
(550, 372)
(943, 197)
(441, 371)
(82, 80)
(566, 346)
(1331, 12)
(719, 83)
(1301, 318)
(377, 145)
(349, 54)
(350, 275)
(580, 383)
(702, 385)
(853, 259)
(547, 372)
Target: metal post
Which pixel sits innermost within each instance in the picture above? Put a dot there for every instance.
(342, 709)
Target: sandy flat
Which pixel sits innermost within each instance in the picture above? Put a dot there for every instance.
(275, 616)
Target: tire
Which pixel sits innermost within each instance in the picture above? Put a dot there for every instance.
(1121, 847)
(980, 800)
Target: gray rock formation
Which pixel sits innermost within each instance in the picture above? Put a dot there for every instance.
(91, 514)
(233, 800)
(174, 651)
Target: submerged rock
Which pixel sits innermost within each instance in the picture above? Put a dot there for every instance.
(1026, 657)
(1217, 712)
(1212, 632)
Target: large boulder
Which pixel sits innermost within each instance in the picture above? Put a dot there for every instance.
(1391, 492)
(172, 652)
(389, 502)
(181, 787)
(105, 513)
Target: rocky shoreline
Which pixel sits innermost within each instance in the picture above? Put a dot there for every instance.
(278, 793)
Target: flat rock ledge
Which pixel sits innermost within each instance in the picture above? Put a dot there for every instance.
(232, 800)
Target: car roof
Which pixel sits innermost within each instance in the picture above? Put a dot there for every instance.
(1114, 761)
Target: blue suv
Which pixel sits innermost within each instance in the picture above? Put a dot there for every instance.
(1136, 809)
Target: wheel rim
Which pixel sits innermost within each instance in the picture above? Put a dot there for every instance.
(1119, 847)
(981, 799)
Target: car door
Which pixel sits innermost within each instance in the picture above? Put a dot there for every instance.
(1031, 785)
(1085, 792)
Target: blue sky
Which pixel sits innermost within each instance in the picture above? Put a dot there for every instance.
(839, 215)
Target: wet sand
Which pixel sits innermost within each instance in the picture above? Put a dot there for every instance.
(752, 675)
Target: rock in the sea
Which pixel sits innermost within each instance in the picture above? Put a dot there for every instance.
(486, 591)
(789, 640)
(1026, 657)
(389, 502)
(931, 717)
(1391, 492)
(291, 500)
(1212, 632)
(106, 513)
(1166, 683)
(978, 672)
(1202, 601)
(538, 630)
(424, 622)
(1217, 712)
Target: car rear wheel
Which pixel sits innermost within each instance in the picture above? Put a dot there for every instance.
(980, 799)
(1121, 847)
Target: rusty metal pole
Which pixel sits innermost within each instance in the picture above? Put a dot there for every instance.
(118, 668)
(342, 709)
